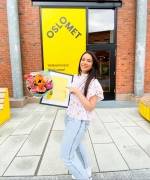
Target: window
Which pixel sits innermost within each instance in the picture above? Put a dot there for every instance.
(100, 26)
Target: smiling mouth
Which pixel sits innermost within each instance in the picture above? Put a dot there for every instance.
(85, 66)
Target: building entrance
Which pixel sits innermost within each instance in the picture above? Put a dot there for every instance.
(65, 39)
(101, 40)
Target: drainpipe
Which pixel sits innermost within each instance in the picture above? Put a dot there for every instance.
(141, 28)
(14, 47)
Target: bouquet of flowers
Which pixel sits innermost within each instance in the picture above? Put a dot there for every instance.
(38, 83)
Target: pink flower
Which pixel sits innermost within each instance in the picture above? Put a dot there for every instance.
(49, 85)
(33, 89)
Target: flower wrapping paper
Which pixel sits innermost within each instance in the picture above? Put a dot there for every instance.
(38, 83)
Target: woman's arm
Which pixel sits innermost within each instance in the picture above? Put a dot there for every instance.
(90, 104)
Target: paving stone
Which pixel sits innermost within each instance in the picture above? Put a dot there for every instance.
(98, 132)
(119, 135)
(26, 126)
(91, 153)
(145, 125)
(23, 166)
(132, 115)
(31, 107)
(104, 116)
(59, 121)
(7, 129)
(49, 115)
(37, 139)
(141, 137)
(109, 158)
(8, 150)
(135, 157)
(19, 116)
(123, 120)
(51, 163)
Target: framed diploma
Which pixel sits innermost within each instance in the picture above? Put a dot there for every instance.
(59, 94)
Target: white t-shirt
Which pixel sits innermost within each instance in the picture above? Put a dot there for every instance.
(75, 109)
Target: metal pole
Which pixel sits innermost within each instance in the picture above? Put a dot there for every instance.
(14, 46)
(141, 28)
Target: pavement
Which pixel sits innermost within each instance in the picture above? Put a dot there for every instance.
(118, 141)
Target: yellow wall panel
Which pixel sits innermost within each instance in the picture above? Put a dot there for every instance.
(64, 38)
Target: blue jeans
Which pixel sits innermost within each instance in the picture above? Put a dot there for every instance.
(73, 151)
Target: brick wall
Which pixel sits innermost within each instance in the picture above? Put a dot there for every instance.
(30, 35)
(147, 63)
(125, 47)
(29, 19)
(5, 70)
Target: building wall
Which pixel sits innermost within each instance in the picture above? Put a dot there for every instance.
(147, 60)
(5, 68)
(125, 48)
(31, 51)
(30, 35)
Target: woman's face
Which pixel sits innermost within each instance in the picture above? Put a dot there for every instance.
(86, 63)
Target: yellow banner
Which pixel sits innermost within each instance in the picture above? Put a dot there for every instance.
(64, 38)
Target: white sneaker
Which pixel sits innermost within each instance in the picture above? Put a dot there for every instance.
(90, 178)
(89, 173)
(73, 177)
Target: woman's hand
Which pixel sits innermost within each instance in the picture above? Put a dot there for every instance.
(89, 104)
(74, 90)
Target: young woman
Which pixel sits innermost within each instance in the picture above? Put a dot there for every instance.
(85, 91)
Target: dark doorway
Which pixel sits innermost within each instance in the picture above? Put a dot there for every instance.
(106, 57)
(101, 40)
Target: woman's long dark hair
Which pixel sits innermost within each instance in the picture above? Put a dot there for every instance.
(94, 73)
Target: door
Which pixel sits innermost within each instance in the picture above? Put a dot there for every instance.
(101, 40)
(106, 57)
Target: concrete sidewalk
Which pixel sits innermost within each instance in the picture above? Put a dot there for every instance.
(118, 140)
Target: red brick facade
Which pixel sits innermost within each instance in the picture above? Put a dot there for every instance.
(147, 63)
(30, 35)
(31, 51)
(125, 48)
(5, 67)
